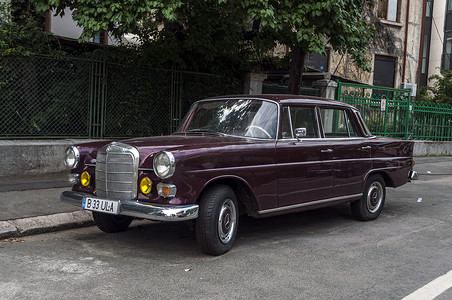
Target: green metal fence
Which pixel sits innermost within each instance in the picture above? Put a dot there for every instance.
(431, 121)
(44, 97)
(392, 112)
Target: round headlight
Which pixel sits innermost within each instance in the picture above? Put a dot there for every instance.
(72, 157)
(164, 164)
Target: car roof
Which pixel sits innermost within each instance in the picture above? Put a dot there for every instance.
(286, 99)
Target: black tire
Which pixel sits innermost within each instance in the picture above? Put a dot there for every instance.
(218, 219)
(111, 223)
(371, 203)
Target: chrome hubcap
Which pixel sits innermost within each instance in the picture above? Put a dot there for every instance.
(374, 197)
(227, 221)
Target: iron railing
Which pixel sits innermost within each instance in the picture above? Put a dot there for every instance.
(44, 97)
(392, 112)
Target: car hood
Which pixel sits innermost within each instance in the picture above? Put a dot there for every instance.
(179, 144)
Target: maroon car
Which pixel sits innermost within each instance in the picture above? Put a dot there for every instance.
(256, 155)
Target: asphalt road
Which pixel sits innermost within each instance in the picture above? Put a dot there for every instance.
(321, 254)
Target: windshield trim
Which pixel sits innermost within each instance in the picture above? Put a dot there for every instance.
(278, 107)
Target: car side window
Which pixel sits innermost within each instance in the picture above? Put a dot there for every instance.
(299, 117)
(337, 123)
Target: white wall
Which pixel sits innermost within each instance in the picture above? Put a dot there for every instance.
(65, 26)
(437, 37)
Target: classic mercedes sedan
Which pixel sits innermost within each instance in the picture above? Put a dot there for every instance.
(255, 155)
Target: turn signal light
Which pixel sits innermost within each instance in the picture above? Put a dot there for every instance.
(166, 190)
(73, 178)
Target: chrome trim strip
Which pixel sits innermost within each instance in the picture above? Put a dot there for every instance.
(155, 212)
(278, 209)
(90, 165)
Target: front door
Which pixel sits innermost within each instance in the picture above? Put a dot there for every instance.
(304, 164)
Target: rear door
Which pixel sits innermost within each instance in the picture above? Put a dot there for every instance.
(351, 155)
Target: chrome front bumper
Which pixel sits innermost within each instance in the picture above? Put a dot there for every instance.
(155, 212)
(413, 175)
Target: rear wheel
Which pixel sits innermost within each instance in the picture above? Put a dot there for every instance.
(111, 223)
(216, 226)
(371, 203)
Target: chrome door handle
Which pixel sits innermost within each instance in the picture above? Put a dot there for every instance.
(326, 150)
(366, 148)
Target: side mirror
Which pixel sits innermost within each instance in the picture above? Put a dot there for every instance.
(300, 132)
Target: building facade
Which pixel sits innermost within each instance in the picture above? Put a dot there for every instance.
(436, 39)
(394, 54)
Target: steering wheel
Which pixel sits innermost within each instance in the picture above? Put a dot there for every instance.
(260, 128)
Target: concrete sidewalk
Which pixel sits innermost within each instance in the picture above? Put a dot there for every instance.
(31, 204)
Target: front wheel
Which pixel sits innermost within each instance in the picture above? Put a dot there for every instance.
(111, 223)
(371, 203)
(216, 226)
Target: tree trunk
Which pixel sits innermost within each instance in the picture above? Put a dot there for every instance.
(296, 70)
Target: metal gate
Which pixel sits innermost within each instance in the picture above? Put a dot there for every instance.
(386, 111)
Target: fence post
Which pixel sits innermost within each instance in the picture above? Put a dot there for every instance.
(327, 88)
(175, 98)
(384, 105)
(407, 119)
(97, 95)
(253, 83)
(338, 92)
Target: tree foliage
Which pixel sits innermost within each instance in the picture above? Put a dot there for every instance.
(440, 91)
(228, 32)
(20, 30)
(310, 25)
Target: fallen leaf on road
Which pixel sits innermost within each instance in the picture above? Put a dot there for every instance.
(187, 270)
(13, 240)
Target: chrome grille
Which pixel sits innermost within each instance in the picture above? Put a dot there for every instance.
(117, 171)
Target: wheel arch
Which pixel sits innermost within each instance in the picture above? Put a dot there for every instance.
(387, 179)
(245, 196)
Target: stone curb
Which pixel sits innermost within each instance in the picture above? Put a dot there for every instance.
(41, 224)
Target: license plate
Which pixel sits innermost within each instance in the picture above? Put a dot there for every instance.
(101, 205)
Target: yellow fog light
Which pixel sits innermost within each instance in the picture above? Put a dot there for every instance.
(145, 185)
(85, 179)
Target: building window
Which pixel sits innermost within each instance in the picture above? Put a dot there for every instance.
(318, 61)
(429, 8)
(384, 70)
(389, 10)
(449, 5)
(447, 63)
(425, 50)
(101, 38)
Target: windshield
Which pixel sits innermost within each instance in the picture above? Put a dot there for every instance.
(238, 117)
